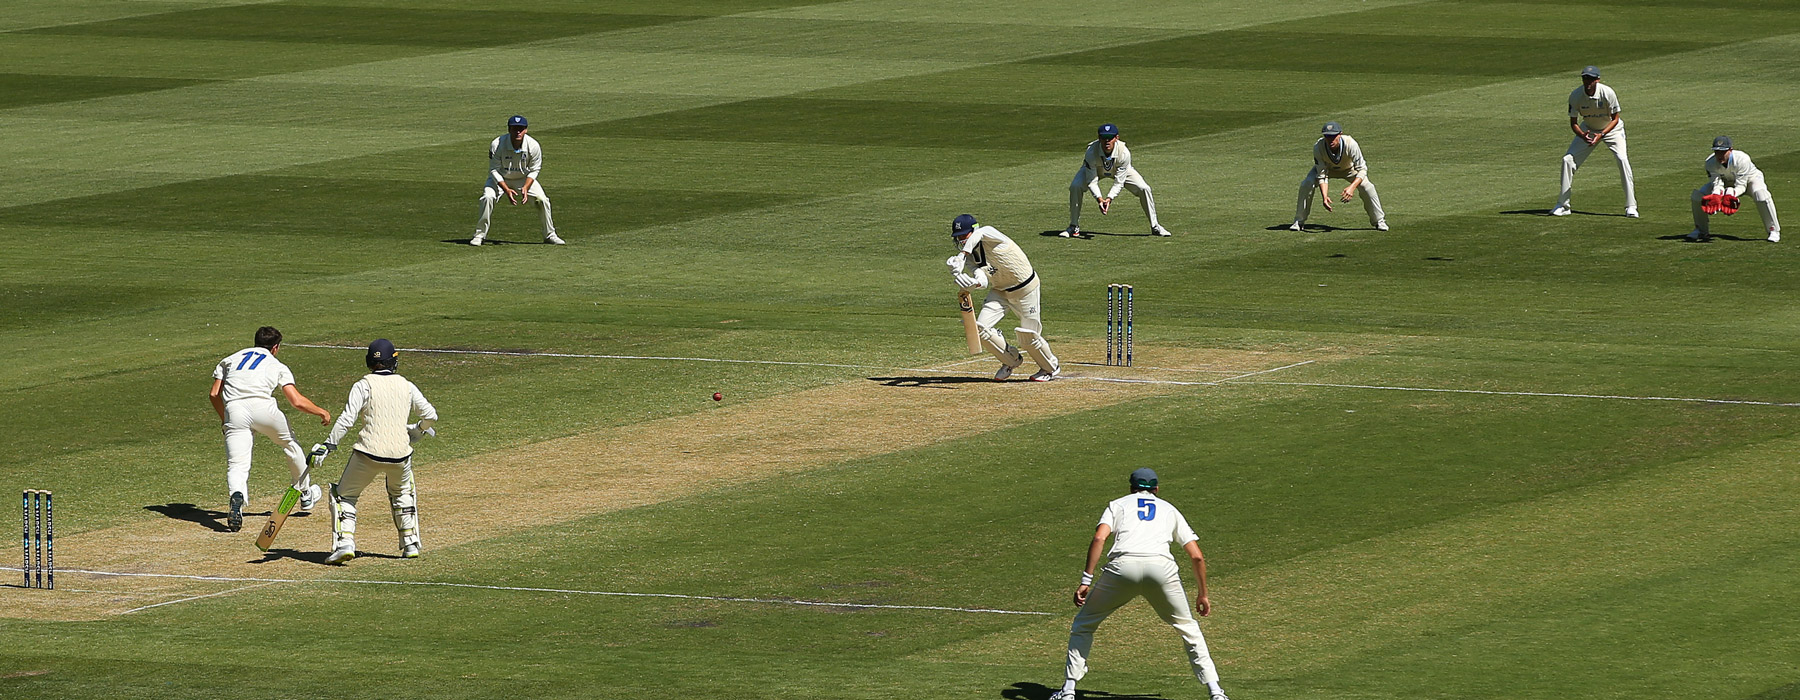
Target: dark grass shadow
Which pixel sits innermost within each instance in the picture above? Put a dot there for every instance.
(1546, 212)
(929, 382)
(1708, 239)
(312, 557)
(493, 241)
(213, 519)
(1089, 235)
(1323, 228)
(1034, 691)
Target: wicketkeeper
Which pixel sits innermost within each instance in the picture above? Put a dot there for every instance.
(1732, 174)
(987, 259)
(382, 400)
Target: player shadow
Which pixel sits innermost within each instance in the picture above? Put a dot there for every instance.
(929, 382)
(213, 519)
(274, 555)
(1034, 691)
(1326, 228)
(1089, 235)
(1682, 237)
(493, 241)
(1546, 212)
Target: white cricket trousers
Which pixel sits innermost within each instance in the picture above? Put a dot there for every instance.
(1158, 580)
(1578, 154)
(490, 193)
(1030, 330)
(1754, 189)
(1309, 186)
(244, 419)
(402, 499)
(1134, 183)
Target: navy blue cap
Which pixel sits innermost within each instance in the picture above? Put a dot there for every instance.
(962, 225)
(1723, 143)
(1331, 129)
(382, 354)
(516, 120)
(1143, 478)
(1590, 72)
(1108, 131)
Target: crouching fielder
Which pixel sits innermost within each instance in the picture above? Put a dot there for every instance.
(383, 400)
(1142, 526)
(1107, 157)
(999, 266)
(1732, 174)
(1337, 155)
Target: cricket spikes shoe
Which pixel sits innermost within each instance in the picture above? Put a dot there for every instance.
(1381, 226)
(553, 240)
(410, 551)
(475, 240)
(1070, 232)
(1631, 212)
(1560, 211)
(1219, 696)
(1774, 236)
(1695, 235)
(234, 520)
(1005, 371)
(341, 555)
(1160, 231)
(309, 497)
(1295, 226)
(1063, 695)
(1044, 375)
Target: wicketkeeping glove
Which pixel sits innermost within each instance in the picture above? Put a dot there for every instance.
(1728, 204)
(1709, 204)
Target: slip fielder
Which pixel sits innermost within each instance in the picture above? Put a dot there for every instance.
(1594, 117)
(987, 259)
(514, 161)
(1142, 525)
(382, 399)
(242, 393)
(1107, 157)
(1337, 155)
(1731, 174)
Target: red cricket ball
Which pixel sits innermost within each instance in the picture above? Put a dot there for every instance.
(718, 396)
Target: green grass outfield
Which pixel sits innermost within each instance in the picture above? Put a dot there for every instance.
(772, 180)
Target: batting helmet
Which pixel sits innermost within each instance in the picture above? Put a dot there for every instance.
(962, 225)
(382, 356)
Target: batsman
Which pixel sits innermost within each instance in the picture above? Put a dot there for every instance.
(382, 400)
(987, 259)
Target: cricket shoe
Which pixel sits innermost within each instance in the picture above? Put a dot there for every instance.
(1044, 375)
(1219, 696)
(1070, 232)
(1695, 235)
(410, 551)
(1561, 211)
(1063, 695)
(1631, 212)
(1381, 226)
(341, 555)
(1005, 371)
(1295, 226)
(1774, 236)
(553, 240)
(234, 520)
(310, 497)
(475, 241)
(1160, 231)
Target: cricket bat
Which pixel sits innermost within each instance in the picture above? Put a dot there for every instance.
(280, 515)
(967, 304)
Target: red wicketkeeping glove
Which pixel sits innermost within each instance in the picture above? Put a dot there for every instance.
(1709, 203)
(1728, 204)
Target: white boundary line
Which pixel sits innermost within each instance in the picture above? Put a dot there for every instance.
(1614, 397)
(197, 597)
(526, 589)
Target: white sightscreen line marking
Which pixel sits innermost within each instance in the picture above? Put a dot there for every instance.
(526, 589)
(197, 597)
(1614, 397)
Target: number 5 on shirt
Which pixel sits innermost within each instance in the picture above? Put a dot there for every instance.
(1146, 509)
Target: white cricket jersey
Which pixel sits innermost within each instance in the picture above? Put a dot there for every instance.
(1115, 166)
(1010, 270)
(1144, 524)
(252, 373)
(1736, 173)
(383, 401)
(506, 162)
(1594, 112)
(1345, 164)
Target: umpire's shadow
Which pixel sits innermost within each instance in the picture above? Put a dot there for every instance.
(937, 382)
(1034, 691)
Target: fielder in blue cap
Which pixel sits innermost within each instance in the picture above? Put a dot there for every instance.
(1107, 157)
(1142, 525)
(514, 161)
(1336, 155)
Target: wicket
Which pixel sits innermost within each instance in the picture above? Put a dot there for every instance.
(39, 539)
(1118, 324)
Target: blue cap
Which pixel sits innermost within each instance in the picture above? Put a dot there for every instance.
(1590, 72)
(1144, 478)
(1331, 129)
(1108, 131)
(516, 120)
(962, 225)
(1723, 143)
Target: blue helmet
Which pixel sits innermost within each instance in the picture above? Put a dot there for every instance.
(962, 225)
(1108, 131)
(382, 356)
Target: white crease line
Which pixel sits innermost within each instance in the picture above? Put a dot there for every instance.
(1265, 371)
(1532, 393)
(197, 597)
(619, 594)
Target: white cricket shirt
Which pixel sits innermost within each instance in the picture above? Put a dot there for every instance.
(1115, 166)
(252, 373)
(1144, 524)
(506, 162)
(1348, 162)
(1735, 173)
(1594, 112)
